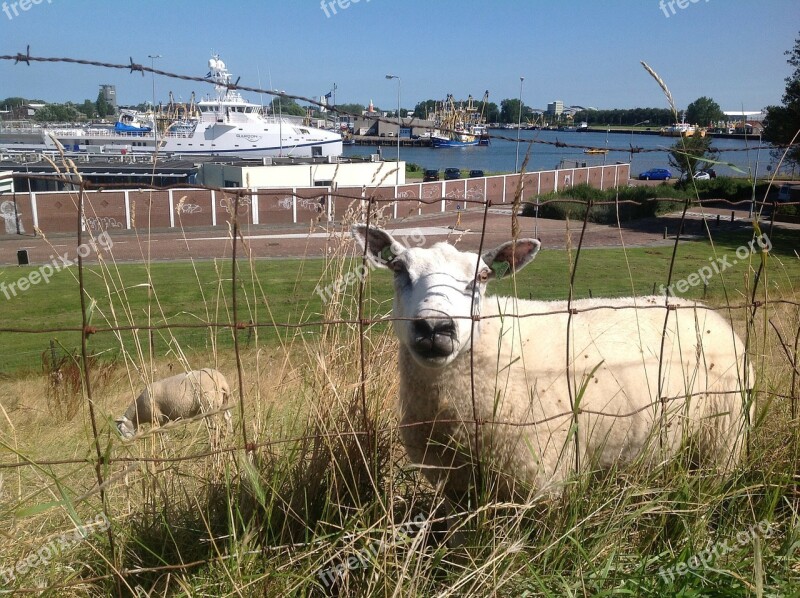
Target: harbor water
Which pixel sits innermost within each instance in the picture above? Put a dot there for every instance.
(501, 154)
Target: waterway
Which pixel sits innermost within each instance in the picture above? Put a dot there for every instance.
(502, 154)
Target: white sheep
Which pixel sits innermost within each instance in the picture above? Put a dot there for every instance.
(177, 397)
(521, 375)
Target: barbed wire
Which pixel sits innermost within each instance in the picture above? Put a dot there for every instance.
(89, 330)
(134, 67)
(99, 460)
(251, 447)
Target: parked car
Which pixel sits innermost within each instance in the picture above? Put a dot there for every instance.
(698, 176)
(656, 174)
(475, 174)
(788, 192)
(452, 173)
(430, 175)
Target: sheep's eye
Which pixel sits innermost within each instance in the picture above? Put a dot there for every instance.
(484, 274)
(397, 266)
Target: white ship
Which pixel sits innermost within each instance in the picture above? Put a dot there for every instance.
(225, 126)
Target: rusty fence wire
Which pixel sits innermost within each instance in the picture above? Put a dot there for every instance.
(102, 457)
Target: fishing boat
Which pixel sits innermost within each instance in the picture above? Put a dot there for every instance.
(682, 129)
(460, 125)
(224, 125)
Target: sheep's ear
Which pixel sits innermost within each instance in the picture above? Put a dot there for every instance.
(380, 246)
(511, 256)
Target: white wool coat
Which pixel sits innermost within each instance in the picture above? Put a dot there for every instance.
(180, 396)
(521, 377)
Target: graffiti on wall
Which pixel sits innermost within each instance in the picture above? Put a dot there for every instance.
(12, 219)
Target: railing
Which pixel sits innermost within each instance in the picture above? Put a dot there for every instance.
(53, 211)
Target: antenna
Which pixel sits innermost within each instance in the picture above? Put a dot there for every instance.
(260, 93)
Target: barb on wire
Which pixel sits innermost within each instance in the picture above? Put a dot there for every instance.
(132, 67)
(136, 67)
(26, 58)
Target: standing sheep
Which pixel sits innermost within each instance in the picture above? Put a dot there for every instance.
(524, 391)
(181, 396)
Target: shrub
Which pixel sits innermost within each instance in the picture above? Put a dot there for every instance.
(635, 202)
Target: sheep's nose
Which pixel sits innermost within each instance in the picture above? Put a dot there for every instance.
(434, 337)
(429, 328)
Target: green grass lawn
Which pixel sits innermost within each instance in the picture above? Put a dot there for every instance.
(283, 291)
(312, 496)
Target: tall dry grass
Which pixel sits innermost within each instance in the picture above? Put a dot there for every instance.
(326, 502)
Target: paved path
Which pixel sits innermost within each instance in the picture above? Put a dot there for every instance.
(293, 241)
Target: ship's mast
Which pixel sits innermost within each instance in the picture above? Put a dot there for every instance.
(220, 75)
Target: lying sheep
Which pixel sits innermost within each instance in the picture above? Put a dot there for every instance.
(521, 375)
(177, 397)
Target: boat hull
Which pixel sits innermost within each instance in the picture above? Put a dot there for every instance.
(203, 142)
(226, 126)
(436, 142)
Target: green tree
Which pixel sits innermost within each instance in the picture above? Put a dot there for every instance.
(692, 154)
(425, 108)
(783, 122)
(88, 109)
(658, 117)
(510, 110)
(704, 111)
(57, 113)
(12, 102)
(102, 106)
(351, 109)
(490, 111)
(286, 107)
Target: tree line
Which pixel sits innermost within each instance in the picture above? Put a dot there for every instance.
(782, 124)
(66, 112)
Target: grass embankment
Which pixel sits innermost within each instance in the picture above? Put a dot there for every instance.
(329, 499)
(286, 292)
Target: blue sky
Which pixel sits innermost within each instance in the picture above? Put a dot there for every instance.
(583, 52)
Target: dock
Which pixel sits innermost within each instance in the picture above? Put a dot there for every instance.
(390, 141)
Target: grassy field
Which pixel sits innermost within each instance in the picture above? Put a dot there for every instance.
(285, 292)
(327, 504)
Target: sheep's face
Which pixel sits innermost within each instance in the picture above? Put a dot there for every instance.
(439, 290)
(125, 427)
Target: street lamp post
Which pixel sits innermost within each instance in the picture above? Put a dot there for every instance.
(519, 124)
(755, 178)
(644, 122)
(397, 172)
(152, 58)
